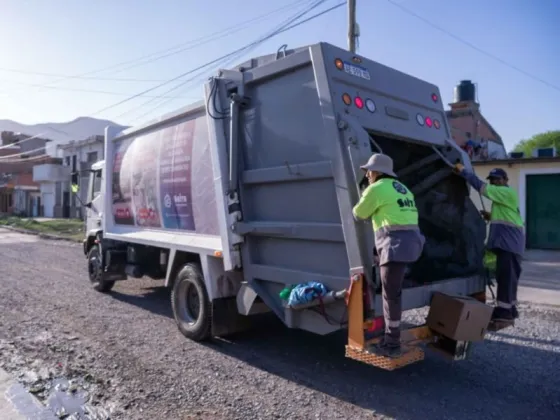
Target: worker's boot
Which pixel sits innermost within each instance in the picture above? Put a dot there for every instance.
(502, 315)
(387, 348)
(514, 312)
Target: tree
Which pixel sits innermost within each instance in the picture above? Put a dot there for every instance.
(547, 139)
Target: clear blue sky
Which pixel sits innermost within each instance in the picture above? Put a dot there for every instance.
(71, 37)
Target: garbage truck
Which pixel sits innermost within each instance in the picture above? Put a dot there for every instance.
(233, 199)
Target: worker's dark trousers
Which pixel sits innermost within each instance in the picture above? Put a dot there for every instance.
(508, 271)
(392, 278)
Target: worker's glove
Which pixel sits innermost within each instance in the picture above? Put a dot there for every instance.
(485, 215)
(458, 168)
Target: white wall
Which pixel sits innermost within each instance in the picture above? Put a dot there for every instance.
(47, 190)
(82, 152)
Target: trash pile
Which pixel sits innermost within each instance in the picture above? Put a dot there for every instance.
(303, 293)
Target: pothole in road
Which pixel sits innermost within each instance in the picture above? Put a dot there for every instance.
(71, 394)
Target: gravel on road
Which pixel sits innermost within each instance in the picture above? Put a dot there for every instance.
(122, 355)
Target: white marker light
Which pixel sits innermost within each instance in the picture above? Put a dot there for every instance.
(370, 105)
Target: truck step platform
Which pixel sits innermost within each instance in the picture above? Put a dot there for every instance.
(410, 354)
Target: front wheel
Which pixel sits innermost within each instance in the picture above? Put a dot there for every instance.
(96, 273)
(191, 306)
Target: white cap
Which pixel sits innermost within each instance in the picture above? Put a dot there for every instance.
(380, 163)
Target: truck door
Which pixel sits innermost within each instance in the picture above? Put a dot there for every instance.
(94, 206)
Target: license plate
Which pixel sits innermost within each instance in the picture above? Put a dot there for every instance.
(356, 71)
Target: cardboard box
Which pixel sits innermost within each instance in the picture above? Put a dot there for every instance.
(460, 318)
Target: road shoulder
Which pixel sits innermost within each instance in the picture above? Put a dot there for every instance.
(41, 234)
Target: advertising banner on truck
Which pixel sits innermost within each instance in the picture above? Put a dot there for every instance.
(163, 179)
(145, 181)
(175, 168)
(121, 188)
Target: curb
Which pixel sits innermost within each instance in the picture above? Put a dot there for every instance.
(16, 403)
(40, 234)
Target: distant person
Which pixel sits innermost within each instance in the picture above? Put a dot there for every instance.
(506, 237)
(398, 241)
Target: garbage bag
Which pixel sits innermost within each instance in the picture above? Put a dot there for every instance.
(455, 235)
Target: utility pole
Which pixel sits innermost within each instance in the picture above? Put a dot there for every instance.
(352, 26)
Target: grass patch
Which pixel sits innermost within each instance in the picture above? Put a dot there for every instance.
(68, 228)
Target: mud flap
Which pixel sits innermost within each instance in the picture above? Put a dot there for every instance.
(226, 319)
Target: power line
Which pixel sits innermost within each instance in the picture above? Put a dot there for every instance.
(315, 4)
(276, 32)
(474, 47)
(67, 76)
(104, 92)
(17, 143)
(158, 55)
(22, 160)
(220, 63)
(286, 27)
(149, 58)
(22, 153)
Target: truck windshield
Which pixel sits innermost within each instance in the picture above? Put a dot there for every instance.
(95, 184)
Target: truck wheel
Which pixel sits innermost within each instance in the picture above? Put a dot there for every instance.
(95, 270)
(190, 303)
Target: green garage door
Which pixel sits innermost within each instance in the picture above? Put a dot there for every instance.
(543, 211)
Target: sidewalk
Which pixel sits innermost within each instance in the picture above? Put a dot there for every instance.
(540, 278)
(18, 404)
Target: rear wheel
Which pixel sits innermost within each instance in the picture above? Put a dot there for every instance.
(96, 273)
(191, 306)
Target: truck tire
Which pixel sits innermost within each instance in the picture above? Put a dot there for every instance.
(95, 271)
(191, 307)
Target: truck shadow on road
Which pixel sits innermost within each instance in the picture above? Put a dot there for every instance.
(154, 299)
(499, 380)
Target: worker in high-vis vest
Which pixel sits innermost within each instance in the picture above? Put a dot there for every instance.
(506, 237)
(391, 207)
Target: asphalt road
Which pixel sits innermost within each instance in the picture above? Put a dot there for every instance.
(124, 354)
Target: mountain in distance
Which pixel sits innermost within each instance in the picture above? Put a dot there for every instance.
(78, 129)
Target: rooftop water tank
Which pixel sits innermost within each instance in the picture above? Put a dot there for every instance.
(465, 91)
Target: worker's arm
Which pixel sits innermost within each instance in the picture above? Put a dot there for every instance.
(470, 177)
(367, 205)
(492, 192)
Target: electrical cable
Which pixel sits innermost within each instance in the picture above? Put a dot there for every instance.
(214, 91)
(43, 156)
(7, 146)
(474, 47)
(200, 67)
(161, 54)
(69, 76)
(254, 44)
(22, 153)
(71, 89)
(150, 58)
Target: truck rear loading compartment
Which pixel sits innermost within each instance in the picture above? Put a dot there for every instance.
(274, 173)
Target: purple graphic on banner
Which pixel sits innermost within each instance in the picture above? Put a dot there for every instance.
(175, 176)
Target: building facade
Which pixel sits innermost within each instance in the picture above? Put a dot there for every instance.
(470, 129)
(19, 193)
(55, 180)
